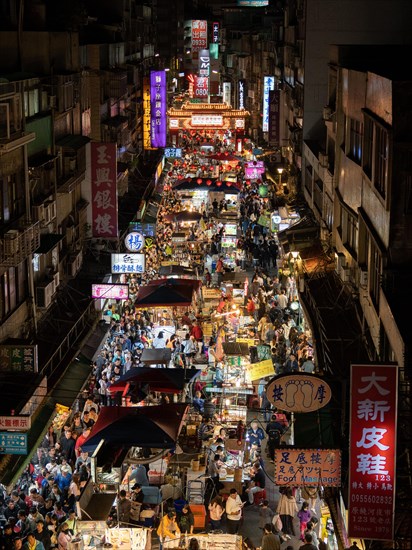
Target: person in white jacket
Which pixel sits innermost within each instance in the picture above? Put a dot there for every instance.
(233, 512)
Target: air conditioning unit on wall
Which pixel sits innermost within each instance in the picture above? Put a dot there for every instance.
(363, 277)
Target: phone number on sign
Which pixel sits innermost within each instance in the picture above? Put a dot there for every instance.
(372, 499)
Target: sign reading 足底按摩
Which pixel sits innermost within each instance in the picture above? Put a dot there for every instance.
(372, 452)
(298, 392)
(13, 443)
(18, 358)
(310, 467)
(15, 422)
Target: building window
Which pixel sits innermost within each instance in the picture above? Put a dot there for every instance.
(375, 271)
(367, 150)
(381, 160)
(12, 198)
(355, 140)
(348, 231)
(13, 289)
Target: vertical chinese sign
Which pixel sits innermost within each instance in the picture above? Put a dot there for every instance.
(147, 143)
(274, 118)
(268, 85)
(158, 104)
(104, 190)
(199, 37)
(372, 451)
(201, 88)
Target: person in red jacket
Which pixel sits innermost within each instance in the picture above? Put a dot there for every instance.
(197, 334)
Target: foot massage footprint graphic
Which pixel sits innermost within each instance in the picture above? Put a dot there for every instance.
(299, 391)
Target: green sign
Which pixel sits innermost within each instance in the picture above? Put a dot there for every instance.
(263, 352)
(13, 443)
(18, 358)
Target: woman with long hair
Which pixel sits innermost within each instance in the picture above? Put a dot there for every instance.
(287, 508)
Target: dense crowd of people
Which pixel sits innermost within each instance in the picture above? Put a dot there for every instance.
(43, 507)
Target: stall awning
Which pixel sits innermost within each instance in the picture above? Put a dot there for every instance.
(299, 235)
(235, 348)
(48, 241)
(183, 216)
(168, 270)
(155, 427)
(192, 184)
(159, 356)
(167, 292)
(164, 380)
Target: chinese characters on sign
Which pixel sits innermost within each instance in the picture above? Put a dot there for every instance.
(372, 451)
(128, 263)
(13, 443)
(296, 467)
(158, 108)
(134, 241)
(207, 120)
(274, 118)
(268, 85)
(254, 169)
(15, 422)
(241, 94)
(147, 143)
(15, 358)
(113, 292)
(172, 152)
(201, 87)
(199, 36)
(104, 190)
(298, 392)
(215, 33)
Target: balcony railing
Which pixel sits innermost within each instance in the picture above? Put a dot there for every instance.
(17, 244)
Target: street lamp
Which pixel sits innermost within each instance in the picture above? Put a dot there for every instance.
(280, 171)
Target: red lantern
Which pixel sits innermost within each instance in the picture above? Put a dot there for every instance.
(259, 181)
(199, 181)
(219, 183)
(203, 168)
(184, 164)
(229, 183)
(170, 174)
(247, 182)
(176, 162)
(209, 182)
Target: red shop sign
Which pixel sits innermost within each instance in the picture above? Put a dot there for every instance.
(104, 190)
(372, 451)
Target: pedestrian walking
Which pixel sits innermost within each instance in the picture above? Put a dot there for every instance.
(234, 507)
(287, 509)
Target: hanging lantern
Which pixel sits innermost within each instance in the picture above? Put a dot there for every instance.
(229, 183)
(199, 181)
(176, 162)
(184, 164)
(254, 163)
(170, 174)
(203, 168)
(259, 181)
(247, 182)
(219, 183)
(209, 182)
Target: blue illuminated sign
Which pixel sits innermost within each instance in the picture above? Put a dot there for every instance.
(13, 443)
(171, 153)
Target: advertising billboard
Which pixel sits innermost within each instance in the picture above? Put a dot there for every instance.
(298, 392)
(268, 85)
(204, 63)
(215, 33)
(274, 118)
(201, 87)
(252, 3)
(241, 94)
(128, 263)
(158, 106)
(310, 467)
(107, 291)
(18, 358)
(227, 92)
(199, 36)
(104, 190)
(372, 453)
(147, 143)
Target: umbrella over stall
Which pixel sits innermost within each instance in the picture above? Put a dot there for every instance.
(150, 427)
(167, 292)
